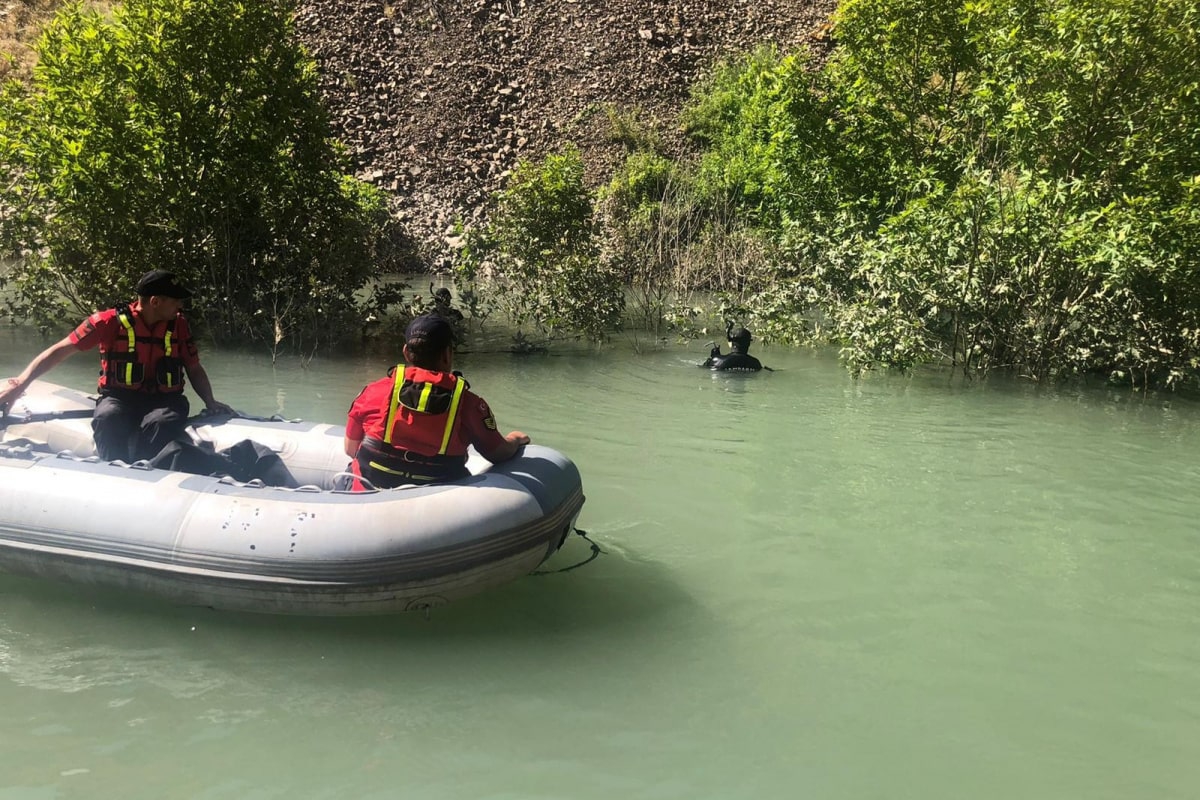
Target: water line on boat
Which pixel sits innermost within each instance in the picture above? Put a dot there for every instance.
(596, 551)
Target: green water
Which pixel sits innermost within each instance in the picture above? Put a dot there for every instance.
(811, 587)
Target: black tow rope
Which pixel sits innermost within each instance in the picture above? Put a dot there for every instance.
(596, 550)
(7, 418)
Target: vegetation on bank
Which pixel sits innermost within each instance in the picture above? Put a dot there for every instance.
(186, 135)
(986, 184)
(540, 254)
(983, 183)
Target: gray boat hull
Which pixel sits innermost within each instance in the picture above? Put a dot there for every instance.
(216, 542)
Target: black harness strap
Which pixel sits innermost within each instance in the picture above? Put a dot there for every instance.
(7, 419)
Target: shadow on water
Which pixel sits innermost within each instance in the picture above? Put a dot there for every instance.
(67, 640)
(616, 591)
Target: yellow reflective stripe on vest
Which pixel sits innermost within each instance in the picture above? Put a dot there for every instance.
(132, 347)
(395, 404)
(411, 476)
(423, 403)
(458, 390)
(167, 354)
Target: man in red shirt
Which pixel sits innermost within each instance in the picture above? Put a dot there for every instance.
(414, 426)
(145, 349)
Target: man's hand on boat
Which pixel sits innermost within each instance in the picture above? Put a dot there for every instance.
(217, 407)
(9, 394)
(514, 442)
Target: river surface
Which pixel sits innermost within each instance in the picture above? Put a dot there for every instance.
(811, 587)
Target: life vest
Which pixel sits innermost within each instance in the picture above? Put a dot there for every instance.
(415, 443)
(133, 350)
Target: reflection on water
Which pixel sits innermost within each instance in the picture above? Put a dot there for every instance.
(905, 586)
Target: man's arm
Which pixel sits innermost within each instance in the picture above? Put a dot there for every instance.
(42, 363)
(511, 446)
(203, 387)
(480, 429)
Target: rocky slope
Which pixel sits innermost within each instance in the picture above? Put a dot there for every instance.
(439, 100)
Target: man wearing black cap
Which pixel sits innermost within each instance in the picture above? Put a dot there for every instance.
(145, 350)
(443, 304)
(414, 426)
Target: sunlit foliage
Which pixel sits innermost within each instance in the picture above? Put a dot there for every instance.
(989, 183)
(185, 134)
(539, 253)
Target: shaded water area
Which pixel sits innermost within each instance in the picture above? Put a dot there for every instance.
(899, 587)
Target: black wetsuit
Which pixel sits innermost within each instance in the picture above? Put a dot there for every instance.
(732, 361)
(738, 361)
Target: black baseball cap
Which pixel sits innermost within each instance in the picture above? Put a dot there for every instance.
(162, 283)
(434, 329)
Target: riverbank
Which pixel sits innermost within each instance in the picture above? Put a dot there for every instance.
(438, 101)
(895, 586)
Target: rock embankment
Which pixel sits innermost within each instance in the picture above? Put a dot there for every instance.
(439, 100)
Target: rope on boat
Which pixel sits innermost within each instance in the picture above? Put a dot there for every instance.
(9, 418)
(205, 417)
(596, 551)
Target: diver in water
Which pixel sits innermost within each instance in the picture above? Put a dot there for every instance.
(739, 357)
(443, 305)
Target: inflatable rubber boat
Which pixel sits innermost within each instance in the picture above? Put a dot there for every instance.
(218, 542)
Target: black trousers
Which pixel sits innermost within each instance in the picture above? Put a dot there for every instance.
(131, 426)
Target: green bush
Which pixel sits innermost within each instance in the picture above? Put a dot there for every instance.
(673, 244)
(1010, 184)
(635, 209)
(186, 135)
(539, 252)
(764, 122)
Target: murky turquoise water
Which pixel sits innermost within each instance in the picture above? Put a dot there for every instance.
(812, 587)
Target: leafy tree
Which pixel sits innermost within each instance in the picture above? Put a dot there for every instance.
(644, 216)
(185, 134)
(540, 255)
(672, 241)
(764, 123)
(990, 183)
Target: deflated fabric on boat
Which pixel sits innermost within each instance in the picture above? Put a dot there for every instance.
(246, 460)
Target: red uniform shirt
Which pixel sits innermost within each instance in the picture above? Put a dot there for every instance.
(103, 328)
(475, 424)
